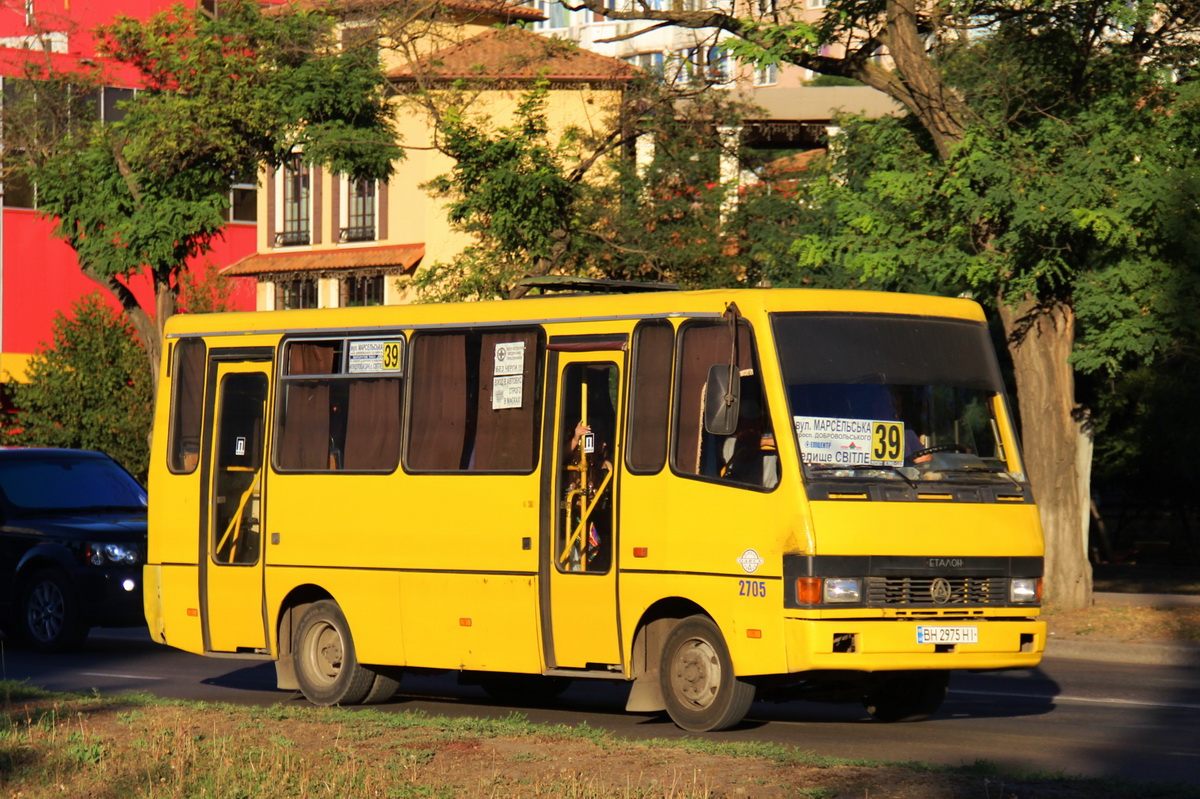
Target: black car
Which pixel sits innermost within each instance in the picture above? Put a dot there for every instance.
(72, 545)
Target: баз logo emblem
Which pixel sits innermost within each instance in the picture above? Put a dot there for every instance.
(939, 591)
(750, 561)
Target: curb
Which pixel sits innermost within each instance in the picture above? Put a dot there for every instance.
(1186, 655)
(1112, 652)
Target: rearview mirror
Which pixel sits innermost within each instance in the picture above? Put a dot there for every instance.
(722, 396)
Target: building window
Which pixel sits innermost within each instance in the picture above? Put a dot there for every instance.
(703, 65)
(243, 203)
(816, 3)
(19, 191)
(647, 62)
(112, 103)
(296, 218)
(557, 15)
(359, 291)
(766, 75)
(360, 211)
(291, 295)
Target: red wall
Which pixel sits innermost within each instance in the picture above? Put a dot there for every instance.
(41, 277)
(39, 272)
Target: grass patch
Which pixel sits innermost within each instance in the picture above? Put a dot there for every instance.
(138, 746)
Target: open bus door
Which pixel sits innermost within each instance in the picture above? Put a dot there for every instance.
(580, 599)
(231, 573)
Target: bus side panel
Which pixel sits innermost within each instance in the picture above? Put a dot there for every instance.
(471, 621)
(177, 589)
(716, 545)
(470, 559)
(369, 599)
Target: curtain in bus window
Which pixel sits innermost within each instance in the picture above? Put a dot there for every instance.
(304, 426)
(703, 346)
(650, 402)
(187, 400)
(373, 425)
(506, 439)
(439, 402)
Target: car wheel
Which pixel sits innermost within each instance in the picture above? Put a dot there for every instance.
(699, 687)
(326, 667)
(50, 618)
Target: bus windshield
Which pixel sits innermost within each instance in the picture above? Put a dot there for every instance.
(903, 398)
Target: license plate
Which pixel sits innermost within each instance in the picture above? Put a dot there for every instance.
(947, 635)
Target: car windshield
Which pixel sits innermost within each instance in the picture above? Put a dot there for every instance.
(67, 482)
(900, 398)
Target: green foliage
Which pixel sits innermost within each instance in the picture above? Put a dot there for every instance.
(224, 97)
(522, 193)
(511, 187)
(89, 389)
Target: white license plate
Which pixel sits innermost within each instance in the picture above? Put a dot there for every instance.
(947, 635)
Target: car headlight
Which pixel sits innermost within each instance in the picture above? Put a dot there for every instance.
(1024, 590)
(99, 554)
(842, 589)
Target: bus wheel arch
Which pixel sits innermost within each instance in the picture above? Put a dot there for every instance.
(646, 655)
(292, 610)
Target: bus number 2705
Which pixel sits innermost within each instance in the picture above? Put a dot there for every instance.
(756, 588)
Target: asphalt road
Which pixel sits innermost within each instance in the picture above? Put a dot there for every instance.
(1074, 717)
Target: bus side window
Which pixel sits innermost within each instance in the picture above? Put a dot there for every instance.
(187, 405)
(330, 420)
(748, 456)
(650, 397)
(475, 401)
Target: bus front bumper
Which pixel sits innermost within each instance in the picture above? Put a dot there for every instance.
(900, 644)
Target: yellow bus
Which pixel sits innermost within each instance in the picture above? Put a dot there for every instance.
(710, 495)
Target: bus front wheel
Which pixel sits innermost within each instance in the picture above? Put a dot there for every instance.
(326, 667)
(700, 689)
(907, 695)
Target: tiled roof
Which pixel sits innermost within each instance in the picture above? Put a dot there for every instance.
(499, 8)
(516, 54)
(391, 258)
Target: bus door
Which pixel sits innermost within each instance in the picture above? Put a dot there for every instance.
(231, 572)
(580, 590)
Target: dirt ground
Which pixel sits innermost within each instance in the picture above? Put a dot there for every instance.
(114, 748)
(112, 751)
(1119, 623)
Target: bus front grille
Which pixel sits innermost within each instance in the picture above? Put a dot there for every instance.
(937, 591)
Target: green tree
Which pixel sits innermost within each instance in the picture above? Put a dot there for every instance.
(223, 96)
(539, 204)
(1017, 174)
(89, 389)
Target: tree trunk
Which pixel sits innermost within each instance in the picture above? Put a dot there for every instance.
(1057, 442)
(149, 327)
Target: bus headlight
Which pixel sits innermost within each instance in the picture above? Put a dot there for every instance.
(842, 589)
(1024, 590)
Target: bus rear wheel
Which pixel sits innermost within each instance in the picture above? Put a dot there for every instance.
(326, 667)
(907, 695)
(700, 689)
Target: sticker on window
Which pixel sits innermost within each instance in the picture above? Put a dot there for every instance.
(509, 358)
(374, 356)
(850, 442)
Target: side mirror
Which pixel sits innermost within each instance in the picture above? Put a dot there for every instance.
(722, 398)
